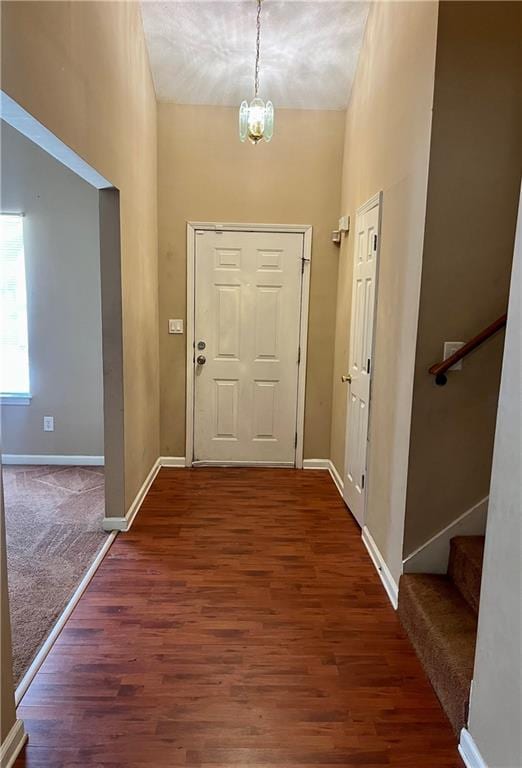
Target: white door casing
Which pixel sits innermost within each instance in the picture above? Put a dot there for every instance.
(360, 359)
(247, 312)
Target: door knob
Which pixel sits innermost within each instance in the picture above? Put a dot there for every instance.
(201, 359)
(345, 379)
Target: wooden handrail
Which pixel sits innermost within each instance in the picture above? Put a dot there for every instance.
(439, 369)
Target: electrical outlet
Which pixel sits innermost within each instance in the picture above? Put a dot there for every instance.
(48, 423)
(450, 347)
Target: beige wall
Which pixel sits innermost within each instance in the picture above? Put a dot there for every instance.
(474, 177)
(496, 700)
(62, 259)
(81, 68)
(387, 148)
(205, 173)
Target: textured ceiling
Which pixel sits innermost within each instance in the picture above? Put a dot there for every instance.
(203, 52)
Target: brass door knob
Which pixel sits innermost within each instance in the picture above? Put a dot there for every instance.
(347, 378)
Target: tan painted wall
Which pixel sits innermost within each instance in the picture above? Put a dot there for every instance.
(62, 261)
(496, 700)
(387, 148)
(474, 178)
(205, 173)
(81, 68)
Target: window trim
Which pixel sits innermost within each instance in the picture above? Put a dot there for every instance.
(15, 398)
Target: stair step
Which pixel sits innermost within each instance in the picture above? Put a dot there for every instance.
(465, 567)
(443, 629)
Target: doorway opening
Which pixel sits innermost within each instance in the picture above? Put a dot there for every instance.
(247, 324)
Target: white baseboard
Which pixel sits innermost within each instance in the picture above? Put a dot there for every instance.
(124, 523)
(325, 464)
(316, 463)
(172, 461)
(12, 745)
(469, 751)
(390, 585)
(33, 459)
(433, 556)
(336, 477)
(40, 657)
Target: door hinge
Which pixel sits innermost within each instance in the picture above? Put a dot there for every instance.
(375, 243)
(302, 265)
(295, 441)
(368, 366)
(298, 355)
(362, 483)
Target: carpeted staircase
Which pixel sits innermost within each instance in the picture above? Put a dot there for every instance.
(440, 614)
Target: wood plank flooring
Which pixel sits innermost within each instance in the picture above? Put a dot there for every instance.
(239, 623)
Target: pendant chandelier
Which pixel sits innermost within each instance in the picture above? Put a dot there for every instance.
(256, 120)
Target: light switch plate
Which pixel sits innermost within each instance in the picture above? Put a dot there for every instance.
(175, 326)
(48, 423)
(344, 224)
(450, 347)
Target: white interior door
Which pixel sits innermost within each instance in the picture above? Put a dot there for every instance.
(360, 356)
(247, 322)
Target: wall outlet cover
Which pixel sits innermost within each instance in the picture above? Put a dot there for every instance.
(450, 347)
(48, 423)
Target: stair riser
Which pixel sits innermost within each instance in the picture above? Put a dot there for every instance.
(466, 574)
(452, 694)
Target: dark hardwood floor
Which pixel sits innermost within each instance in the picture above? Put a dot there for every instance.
(239, 623)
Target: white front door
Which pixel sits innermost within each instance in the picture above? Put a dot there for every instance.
(247, 323)
(360, 356)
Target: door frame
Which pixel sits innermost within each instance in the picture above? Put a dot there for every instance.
(300, 229)
(374, 201)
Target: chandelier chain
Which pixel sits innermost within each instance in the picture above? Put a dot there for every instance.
(258, 39)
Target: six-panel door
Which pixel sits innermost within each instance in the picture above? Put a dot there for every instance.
(247, 323)
(360, 359)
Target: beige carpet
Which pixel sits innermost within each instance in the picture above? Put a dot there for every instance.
(54, 531)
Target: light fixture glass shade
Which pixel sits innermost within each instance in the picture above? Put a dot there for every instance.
(243, 120)
(256, 120)
(269, 121)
